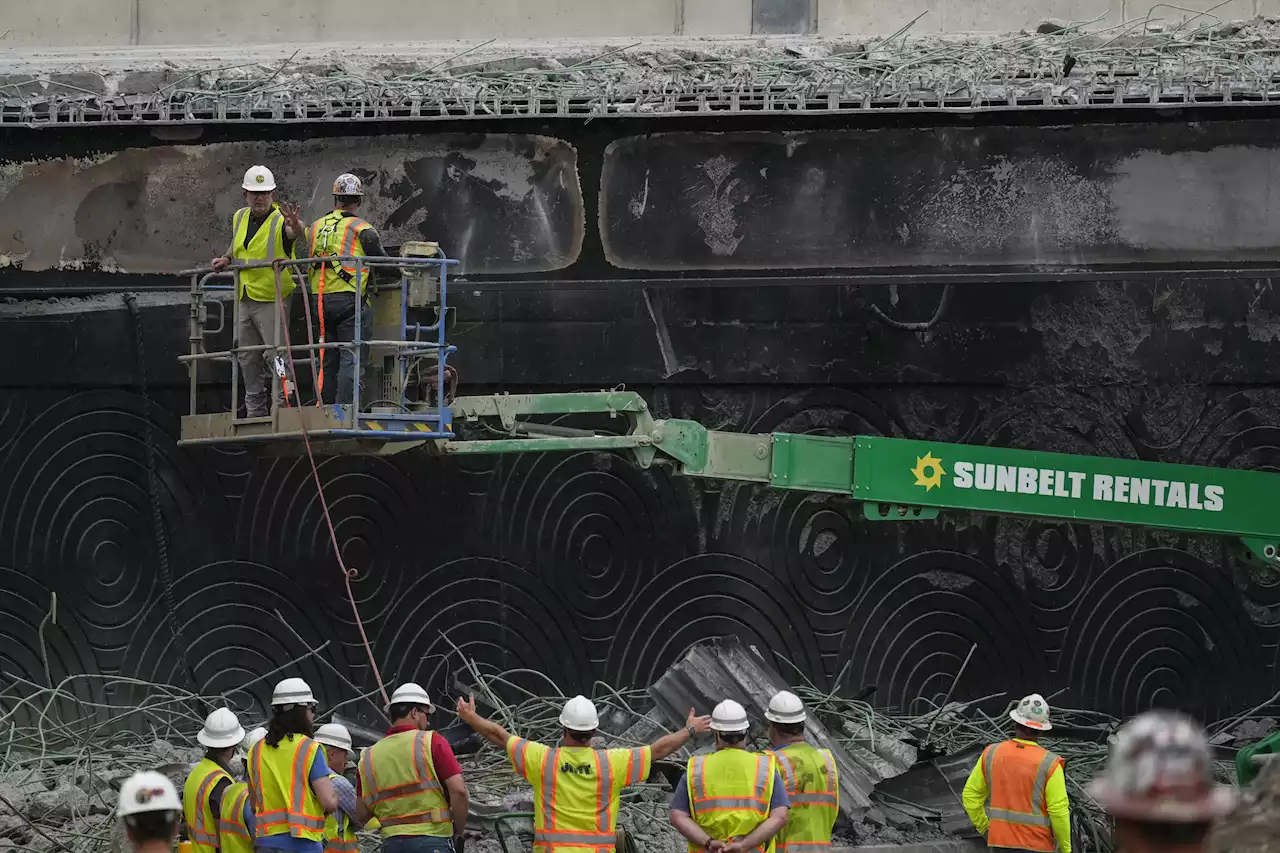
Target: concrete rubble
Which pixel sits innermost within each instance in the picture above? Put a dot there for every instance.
(1063, 65)
(60, 770)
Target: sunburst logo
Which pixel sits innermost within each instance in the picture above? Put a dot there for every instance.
(928, 471)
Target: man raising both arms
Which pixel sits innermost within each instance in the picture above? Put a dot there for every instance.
(576, 787)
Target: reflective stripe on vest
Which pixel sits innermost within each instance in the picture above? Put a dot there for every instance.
(283, 801)
(233, 835)
(729, 793)
(339, 834)
(267, 244)
(814, 790)
(402, 790)
(576, 796)
(1017, 775)
(202, 823)
(337, 236)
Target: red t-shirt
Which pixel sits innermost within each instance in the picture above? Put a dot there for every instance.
(442, 757)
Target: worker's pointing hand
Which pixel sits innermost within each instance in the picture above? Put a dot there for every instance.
(699, 724)
(467, 708)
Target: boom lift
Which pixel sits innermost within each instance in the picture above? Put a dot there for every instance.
(893, 479)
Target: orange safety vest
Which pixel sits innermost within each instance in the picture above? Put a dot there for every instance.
(1017, 775)
(280, 789)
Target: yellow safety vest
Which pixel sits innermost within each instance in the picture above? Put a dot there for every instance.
(399, 785)
(202, 823)
(337, 236)
(283, 801)
(729, 793)
(339, 831)
(813, 786)
(267, 245)
(576, 790)
(233, 835)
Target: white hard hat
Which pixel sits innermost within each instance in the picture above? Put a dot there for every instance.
(347, 184)
(409, 694)
(1032, 712)
(334, 734)
(290, 692)
(148, 791)
(1160, 770)
(579, 715)
(785, 707)
(729, 716)
(259, 180)
(254, 736)
(221, 729)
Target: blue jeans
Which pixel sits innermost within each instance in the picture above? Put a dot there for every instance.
(417, 844)
(340, 327)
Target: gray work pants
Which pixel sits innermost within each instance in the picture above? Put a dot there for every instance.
(257, 369)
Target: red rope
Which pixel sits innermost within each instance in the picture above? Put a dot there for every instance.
(347, 574)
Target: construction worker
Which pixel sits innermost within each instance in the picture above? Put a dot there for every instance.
(341, 233)
(412, 782)
(261, 231)
(1016, 794)
(813, 785)
(289, 783)
(576, 788)
(339, 827)
(150, 810)
(731, 800)
(1158, 785)
(207, 782)
(235, 817)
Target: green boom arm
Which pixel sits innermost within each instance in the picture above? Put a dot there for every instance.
(902, 479)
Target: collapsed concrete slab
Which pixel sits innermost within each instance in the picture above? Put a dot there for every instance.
(724, 668)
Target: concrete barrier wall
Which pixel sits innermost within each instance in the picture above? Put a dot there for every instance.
(117, 23)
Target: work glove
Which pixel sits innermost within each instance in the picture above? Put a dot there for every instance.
(459, 841)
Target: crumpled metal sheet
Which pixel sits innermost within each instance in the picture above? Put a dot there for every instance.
(937, 785)
(725, 668)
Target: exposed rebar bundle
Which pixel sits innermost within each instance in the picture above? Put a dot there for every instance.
(1199, 59)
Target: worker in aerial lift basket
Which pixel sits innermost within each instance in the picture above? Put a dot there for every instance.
(576, 788)
(209, 780)
(813, 785)
(732, 800)
(1016, 794)
(150, 811)
(261, 231)
(412, 782)
(1158, 785)
(235, 817)
(342, 233)
(289, 784)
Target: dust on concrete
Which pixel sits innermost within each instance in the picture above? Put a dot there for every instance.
(169, 207)
(1166, 200)
(716, 211)
(13, 307)
(1104, 329)
(1044, 203)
